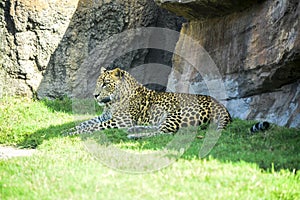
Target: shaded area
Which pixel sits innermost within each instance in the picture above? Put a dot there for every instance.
(73, 106)
(63, 104)
(72, 71)
(38, 137)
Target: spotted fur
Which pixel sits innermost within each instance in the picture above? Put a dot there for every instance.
(132, 106)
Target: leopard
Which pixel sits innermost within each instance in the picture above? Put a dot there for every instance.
(144, 112)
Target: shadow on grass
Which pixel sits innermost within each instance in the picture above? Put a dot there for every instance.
(62, 105)
(37, 138)
(275, 149)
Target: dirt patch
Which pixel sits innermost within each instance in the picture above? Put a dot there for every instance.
(10, 152)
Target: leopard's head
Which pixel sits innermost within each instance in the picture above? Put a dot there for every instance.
(107, 85)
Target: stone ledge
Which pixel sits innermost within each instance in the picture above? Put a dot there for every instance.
(197, 9)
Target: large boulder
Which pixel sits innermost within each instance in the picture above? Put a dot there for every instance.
(30, 32)
(257, 54)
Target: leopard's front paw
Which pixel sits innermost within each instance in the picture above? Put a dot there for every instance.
(133, 129)
(139, 129)
(134, 136)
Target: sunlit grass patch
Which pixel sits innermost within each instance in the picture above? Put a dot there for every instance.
(240, 166)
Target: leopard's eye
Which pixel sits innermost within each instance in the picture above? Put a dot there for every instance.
(105, 83)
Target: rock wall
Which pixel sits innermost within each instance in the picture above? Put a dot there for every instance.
(45, 42)
(257, 52)
(46, 49)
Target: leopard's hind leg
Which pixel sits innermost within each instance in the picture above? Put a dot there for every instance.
(168, 126)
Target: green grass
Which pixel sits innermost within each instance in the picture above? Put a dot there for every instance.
(240, 166)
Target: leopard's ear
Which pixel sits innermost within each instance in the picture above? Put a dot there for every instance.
(102, 70)
(118, 72)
